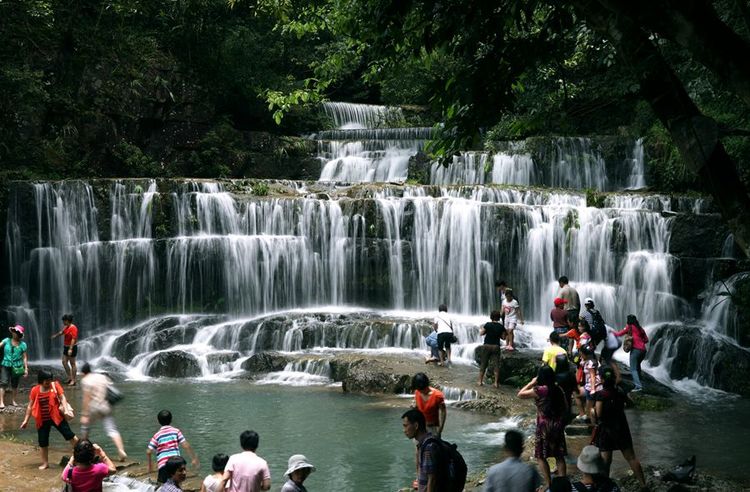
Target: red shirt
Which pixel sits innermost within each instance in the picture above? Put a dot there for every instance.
(69, 333)
(52, 411)
(430, 408)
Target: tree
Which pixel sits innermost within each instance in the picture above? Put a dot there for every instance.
(498, 45)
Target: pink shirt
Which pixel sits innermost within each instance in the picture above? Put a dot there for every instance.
(87, 479)
(248, 472)
(640, 339)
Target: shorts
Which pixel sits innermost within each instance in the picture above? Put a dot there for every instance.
(510, 325)
(43, 432)
(75, 351)
(588, 395)
(444, 340)
(489, 353)
(8, 378)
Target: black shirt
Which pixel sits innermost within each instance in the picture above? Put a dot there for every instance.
(493, 333)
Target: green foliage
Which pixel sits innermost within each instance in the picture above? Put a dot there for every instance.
(134, 162)
(260, 188)
(595, 198)
(666, 170)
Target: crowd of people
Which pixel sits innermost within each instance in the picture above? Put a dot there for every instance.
(571, 372)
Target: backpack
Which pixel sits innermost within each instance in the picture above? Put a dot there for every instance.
(450, 467)
(598, 327)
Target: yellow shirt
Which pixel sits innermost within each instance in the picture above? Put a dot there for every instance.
(548, 357)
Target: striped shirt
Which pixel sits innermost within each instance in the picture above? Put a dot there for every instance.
(44, 408)
(166, 442)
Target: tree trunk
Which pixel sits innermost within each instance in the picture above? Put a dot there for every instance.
(694, 25)
(695, 135)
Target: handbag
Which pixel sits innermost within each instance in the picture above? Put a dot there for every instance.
(627, 343)
(65, 409)
(114, 396)
(19, 371)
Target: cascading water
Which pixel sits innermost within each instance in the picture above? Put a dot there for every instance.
(561, 163)
(207, 274)
(363, 148)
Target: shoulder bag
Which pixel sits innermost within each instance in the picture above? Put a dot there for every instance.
(65, 409)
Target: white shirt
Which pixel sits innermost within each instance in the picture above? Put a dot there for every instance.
(443, 323)
(511, 310)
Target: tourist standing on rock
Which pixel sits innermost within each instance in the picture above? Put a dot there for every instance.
(572, 334)
(549, 356)
(44, 405)
(246, 471)
(512, 316)
(96, 407)
(597, 326)
(512, 475)
(490, 350)
(15, 364)
(70, 347)
(88, 467)
(591, 465)
(175, 470)
(638, 351)
(427, 450)
(612, 431)
(431, 402)
(298, 471)
(559, 317)
(570, 296)
(592, 383)
(551, 415)
(166, 444)
(218, 465)
(445, 336)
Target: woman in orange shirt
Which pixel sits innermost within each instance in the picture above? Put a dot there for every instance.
(44, 402)
(430, 402)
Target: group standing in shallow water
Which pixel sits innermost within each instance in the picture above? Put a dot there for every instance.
(573, 342)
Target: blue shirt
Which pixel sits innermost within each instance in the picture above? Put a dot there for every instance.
(512, 475)
(426, 460)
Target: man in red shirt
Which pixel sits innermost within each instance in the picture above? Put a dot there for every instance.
(70, 347)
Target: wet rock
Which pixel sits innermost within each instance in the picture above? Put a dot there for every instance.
(491, 406)
(219, 358)
(265, 362)
(516, 368)
(654, 480)
(369, 376)
(697, 236)
(701, 355)
(174, 364)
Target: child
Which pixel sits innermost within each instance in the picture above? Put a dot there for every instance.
(211, 482)
(592, 381)
(166, 443)
(513, 316)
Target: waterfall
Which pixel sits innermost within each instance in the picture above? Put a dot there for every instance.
(637, 178)
(362, 148)
(349, 116)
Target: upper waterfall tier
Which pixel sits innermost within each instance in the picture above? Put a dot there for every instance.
(564, 162)
(114, 252)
